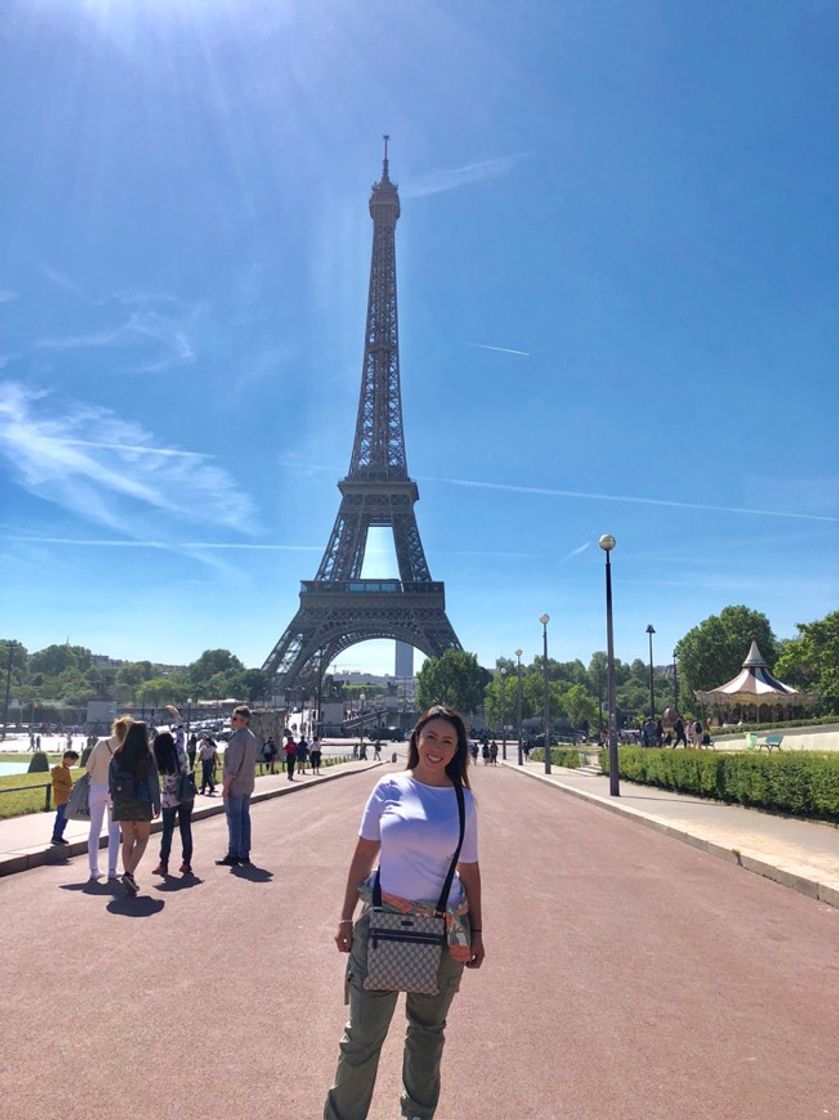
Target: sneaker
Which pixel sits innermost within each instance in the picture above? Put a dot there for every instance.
(130, 884)
(228, 861)
(186, 868)
(161, 869)
(245, 862)
(59, 840)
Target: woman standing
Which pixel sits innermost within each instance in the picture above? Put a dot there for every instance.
(100, 799)
(314, 755)
(135, 792)
(173, 764)
(412, 823)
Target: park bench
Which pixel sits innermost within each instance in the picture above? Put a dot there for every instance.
(771, 742)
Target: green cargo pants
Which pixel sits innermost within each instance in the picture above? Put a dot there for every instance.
(370, 1015)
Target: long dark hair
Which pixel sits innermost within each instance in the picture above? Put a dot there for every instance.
(134, 752)
(165, 753)
(457, 768)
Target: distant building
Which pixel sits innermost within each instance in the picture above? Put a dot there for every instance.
(404, 661)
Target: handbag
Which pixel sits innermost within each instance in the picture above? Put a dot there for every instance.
(186, 787)
(78, 807)
(404, 950)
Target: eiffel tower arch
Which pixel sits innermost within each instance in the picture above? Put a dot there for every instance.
(338, 608)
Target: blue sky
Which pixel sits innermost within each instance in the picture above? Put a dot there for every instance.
(617, 265)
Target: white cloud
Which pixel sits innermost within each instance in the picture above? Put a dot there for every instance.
(449, 179)
(159, 320)
(500, 349)
(122, 479)
(631, 499)
(61, 279)
(577, 551)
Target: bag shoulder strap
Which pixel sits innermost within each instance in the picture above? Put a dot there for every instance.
(447, 885)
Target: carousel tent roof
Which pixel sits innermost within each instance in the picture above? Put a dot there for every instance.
(754, 684)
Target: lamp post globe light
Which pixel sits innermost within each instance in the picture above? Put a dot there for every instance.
(545, 619)
(518, 701)
(607, 543)
(503, 673)
(650, 631)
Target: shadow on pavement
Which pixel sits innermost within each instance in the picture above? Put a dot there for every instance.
(92, 886)
(252, 873)
(169, 884)
(138, 907)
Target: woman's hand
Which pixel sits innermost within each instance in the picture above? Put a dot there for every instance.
(343, 938)
(478, 951)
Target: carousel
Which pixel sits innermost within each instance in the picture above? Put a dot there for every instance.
(754, 688)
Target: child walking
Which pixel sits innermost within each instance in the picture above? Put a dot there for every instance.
(62, 785)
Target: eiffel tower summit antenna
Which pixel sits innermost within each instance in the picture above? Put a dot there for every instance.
(338, 608)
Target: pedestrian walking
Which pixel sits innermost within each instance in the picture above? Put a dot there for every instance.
(315, 755)
(290, 748)
(493, 753)
(173, 765)
(679, 731)
(135, 793)
(377, 751)
(239, 779)
(412, 822)
(192, 750)
(208, 756)
(98, 763)
(302, 754)
(62, 787)
(269, 754)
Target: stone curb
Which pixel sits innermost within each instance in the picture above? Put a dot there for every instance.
(786, 874)
(26, 858)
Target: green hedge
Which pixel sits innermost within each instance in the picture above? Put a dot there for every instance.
(560, 756)
(803, 783)
(778, 725)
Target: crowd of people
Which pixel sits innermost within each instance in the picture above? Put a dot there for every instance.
(139, 773)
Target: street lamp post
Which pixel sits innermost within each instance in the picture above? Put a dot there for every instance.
(650, 632)
(518, 701)
(545, 619)
(188, 716)
(503, 672)
(607, 543)
(675, 683)
(8, 688)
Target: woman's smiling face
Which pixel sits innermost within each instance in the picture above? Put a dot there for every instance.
(436, 747)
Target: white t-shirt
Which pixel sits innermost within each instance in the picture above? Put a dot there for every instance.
(418, 828)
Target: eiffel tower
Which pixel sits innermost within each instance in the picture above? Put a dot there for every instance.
(338, 608)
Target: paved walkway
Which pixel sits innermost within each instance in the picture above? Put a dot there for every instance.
(800, 854)
(627, 976)
(25, 841)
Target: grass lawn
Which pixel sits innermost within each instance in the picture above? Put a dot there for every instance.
(17, 804)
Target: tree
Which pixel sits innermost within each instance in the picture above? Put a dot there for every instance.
(713, 652)
(455, 679)
(811, 660)
(131, 675)
(579, 706)
(155, 692)
(209, 664)
(56, 658)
